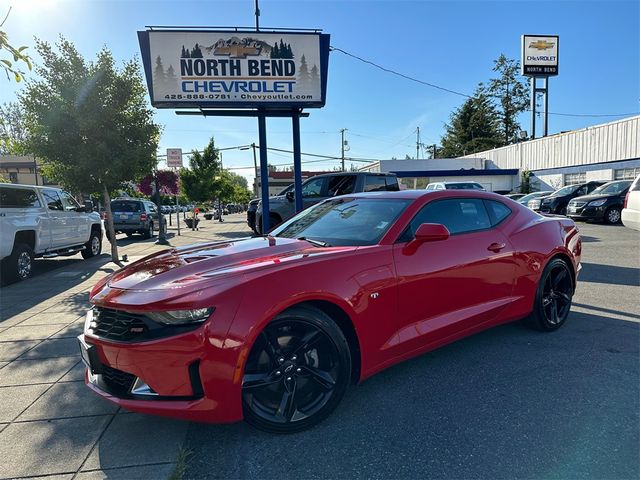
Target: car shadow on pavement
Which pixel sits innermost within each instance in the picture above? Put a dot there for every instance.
(612, 274)
(507, 403)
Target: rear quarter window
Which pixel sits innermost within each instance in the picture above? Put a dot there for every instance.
(498, 211)
(18, 198)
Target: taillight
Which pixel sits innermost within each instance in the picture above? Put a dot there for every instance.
(626, 199)
(143, 217)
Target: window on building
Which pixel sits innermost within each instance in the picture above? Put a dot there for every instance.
(13, 177)
(626, 173)
(572, 178)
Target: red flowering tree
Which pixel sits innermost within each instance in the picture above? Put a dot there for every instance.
(167, 182)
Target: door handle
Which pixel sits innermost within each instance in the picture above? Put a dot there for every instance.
(496, 247)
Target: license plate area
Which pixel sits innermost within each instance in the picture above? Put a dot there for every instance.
(89, 356)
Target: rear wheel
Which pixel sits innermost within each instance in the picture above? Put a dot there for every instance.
(296, 372)
(553, 297)
(148, 233)
(613, 215)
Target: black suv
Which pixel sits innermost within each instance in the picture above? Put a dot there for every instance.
(321, 187)
(135, 216)
(557, 202)
(603, 204)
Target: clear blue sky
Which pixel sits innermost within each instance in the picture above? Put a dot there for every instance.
(450, 43)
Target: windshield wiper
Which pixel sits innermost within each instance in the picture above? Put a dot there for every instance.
(317, 243)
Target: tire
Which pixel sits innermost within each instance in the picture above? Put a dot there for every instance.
(613, 215)
(148, 233)
(552, 302)
(563, 211)
(274, 221)
(19, 265)
(94, 246)
(296, 373)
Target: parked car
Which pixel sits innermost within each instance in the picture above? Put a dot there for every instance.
(515, 196)
(557, 202)
(133, 215)
(321, 187)
(43, 222)
(631, 210)
(454, 186)
(253, 206)
(532, 196)
(274, 329)
(604, 204)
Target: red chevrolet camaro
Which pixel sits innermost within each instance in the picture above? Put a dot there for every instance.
(273, 329)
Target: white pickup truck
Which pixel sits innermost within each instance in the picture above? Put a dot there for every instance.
(43, 222)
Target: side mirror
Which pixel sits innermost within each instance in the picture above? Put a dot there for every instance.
(431, 232)
(289, 195)
(88, 206)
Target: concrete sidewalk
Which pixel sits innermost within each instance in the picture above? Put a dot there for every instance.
(50, 423)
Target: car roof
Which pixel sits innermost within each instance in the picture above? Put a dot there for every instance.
(417, 194)
(22, 185)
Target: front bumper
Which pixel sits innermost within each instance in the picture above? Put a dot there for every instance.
(586, 213)
(184, 377)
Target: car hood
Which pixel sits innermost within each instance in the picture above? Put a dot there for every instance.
(182, 267)
(590, 198)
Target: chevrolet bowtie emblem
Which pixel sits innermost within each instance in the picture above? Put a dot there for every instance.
(541, 45)
(236, 51)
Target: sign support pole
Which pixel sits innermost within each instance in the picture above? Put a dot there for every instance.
(264, 171)
(297, 161)
(545, 121)
(533, 107)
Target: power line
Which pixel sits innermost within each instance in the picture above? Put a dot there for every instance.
(454, 92)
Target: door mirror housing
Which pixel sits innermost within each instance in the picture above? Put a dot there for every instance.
(289, 195)
(88, 206)
(431, 232)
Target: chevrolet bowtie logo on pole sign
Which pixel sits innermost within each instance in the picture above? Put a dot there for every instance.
(233, 69)
(539, 55)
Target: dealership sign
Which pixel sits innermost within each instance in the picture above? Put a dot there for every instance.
(540, 55)
(192, 68)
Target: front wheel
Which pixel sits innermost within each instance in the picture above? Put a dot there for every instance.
(296, 373)
(19, 265)
(612, 216)
(553, 297)
(94, 246)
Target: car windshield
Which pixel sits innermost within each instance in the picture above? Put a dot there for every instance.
(463, 186)
(344, 221)
(613, 187)
(568, 190)
(126, 206)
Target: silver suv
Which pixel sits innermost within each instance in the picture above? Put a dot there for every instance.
(321, 187)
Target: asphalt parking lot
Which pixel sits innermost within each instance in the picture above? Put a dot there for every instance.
(507, 403)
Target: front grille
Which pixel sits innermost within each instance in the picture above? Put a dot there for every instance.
(119, 382)
(117, 325)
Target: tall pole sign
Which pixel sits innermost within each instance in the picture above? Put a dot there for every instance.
(540, 60)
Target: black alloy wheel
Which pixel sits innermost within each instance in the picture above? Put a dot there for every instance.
(296, 373)
(148, 233)
(613, 215)
(553, 297)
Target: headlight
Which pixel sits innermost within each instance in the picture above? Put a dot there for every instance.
(181, 317)
(88, 319)
(598, 203)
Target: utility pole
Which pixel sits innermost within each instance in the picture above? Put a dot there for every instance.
(418, 143)
(219, 199)
(255, 167)
(257, 13)
(435, 150)
(342, 147)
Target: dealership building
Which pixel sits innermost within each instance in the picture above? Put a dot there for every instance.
(606, 152)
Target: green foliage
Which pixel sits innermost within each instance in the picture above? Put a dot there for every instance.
(4, 179)
(511, 96)
(199, 181)
(525, 181)
(89, 121)
(473, 127)
(17, 55)
(13, 131)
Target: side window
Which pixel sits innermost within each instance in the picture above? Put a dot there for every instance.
(459, 215)
(52, 199)
(498, 211)
(313, 188)
(68, 202)
(18, 198)
(392, 184)
(440, 187)
(582, 191)
(430, 186)
(152, 207)
(374, 183)
(341, 185)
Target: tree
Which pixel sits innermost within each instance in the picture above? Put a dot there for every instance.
(89, 122)
(199, 181)
(511, 96)
(17, 54)
(473, 127)
(13, 131)
(303, 75)
(167, 182)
